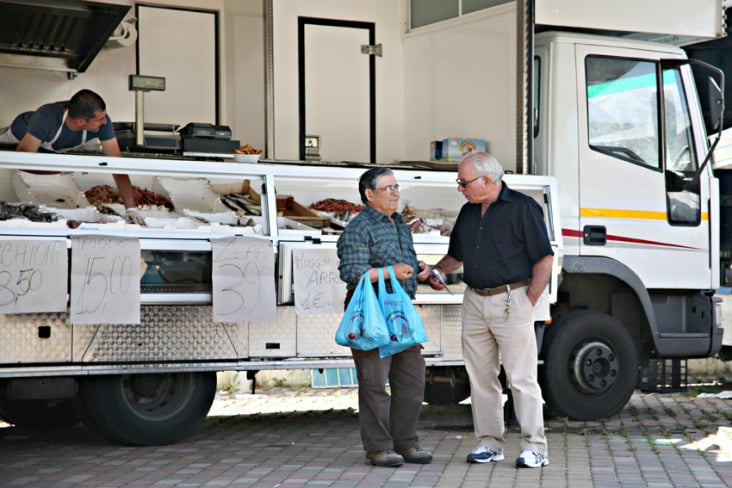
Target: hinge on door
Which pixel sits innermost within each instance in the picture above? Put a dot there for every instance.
(372, 50)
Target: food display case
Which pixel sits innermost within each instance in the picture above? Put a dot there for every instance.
(187, 205)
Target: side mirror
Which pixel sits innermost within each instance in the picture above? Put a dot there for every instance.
(716, 104)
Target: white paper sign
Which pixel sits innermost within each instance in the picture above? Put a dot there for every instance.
(318, 286)
(33, 275)
(243, 280)
(105, 280)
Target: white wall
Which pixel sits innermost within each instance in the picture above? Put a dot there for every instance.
(243, 78)
(421, 80)
(459, 82)
(26, 89)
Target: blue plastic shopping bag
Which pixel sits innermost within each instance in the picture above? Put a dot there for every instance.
(363, 326)
(405, 325)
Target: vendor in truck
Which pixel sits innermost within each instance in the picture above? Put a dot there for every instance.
(62, 126)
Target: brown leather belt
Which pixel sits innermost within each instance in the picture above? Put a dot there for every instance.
(489, 292)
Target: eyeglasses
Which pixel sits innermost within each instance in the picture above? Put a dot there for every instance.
(390, 188)
(464, 183)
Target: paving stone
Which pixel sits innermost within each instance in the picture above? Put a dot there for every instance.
(310, 438)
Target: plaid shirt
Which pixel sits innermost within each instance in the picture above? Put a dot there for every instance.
(372, 241)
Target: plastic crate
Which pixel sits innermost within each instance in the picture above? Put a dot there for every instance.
(664, 376)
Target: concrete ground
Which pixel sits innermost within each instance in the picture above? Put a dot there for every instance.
(302, 437)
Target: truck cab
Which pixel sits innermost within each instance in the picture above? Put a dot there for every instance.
(620, 126)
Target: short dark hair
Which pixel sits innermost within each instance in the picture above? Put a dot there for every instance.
(86, 103)
(370, 179)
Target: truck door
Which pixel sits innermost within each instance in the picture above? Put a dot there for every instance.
(336, 90)
(639, 147)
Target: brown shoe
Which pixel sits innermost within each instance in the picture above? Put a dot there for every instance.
(384, 458)
(416, 455)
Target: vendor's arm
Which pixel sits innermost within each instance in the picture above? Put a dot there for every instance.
(29, 143)
(111, 148)
(124, 186)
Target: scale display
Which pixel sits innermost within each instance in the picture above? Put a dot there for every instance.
(146, 83)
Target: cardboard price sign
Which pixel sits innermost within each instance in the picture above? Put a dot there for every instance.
(33, 276)
(318, 286)
(243, 280)
(105, 280)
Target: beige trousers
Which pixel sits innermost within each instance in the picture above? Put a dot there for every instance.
(490, 339)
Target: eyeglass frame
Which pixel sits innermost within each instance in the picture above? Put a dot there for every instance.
(464, 184)
(389, 188)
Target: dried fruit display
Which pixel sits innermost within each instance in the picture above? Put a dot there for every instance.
(247, 149)
(102, 194)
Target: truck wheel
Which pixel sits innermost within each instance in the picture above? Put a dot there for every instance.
(38, 414)
(590, 366)
(446, 385)
(725, 353)
(146, 409)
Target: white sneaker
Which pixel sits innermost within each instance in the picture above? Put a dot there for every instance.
(482, 454)
(531, 459)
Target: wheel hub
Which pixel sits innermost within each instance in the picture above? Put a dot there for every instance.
(596, 367)
(156, 396)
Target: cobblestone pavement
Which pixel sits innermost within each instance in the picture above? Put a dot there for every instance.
(309, 438)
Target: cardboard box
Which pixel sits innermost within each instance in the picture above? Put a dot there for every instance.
(455, 149)
(288, 207)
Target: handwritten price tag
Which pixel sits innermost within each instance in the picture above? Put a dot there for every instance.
(105, 280)
(33, 276)
(318, 286)
(243, 280)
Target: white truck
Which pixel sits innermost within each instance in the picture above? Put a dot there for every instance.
(612, 141)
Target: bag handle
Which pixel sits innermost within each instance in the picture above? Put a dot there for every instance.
(382, 280)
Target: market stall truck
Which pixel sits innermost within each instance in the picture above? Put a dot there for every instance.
(630, 200)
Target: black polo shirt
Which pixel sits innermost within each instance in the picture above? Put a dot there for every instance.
(503, 245)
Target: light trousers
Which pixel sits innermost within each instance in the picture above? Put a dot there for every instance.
(490, 339)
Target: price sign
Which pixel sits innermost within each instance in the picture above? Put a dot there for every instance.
(33, 276)
(318, 286)
(243, 280)
(105, 280)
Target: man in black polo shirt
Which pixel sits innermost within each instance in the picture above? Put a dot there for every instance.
(501, 241)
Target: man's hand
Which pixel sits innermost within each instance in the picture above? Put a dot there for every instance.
(423, 272)
(133, 216)
(402, 271)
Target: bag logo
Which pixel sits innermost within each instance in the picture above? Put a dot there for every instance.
(399, 324)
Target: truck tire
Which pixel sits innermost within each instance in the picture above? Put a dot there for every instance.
(38, 414)
(146, 409)
(725, 353)
(446, 385)
(590, 366)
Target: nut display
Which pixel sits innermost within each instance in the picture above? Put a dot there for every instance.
(247, 149)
